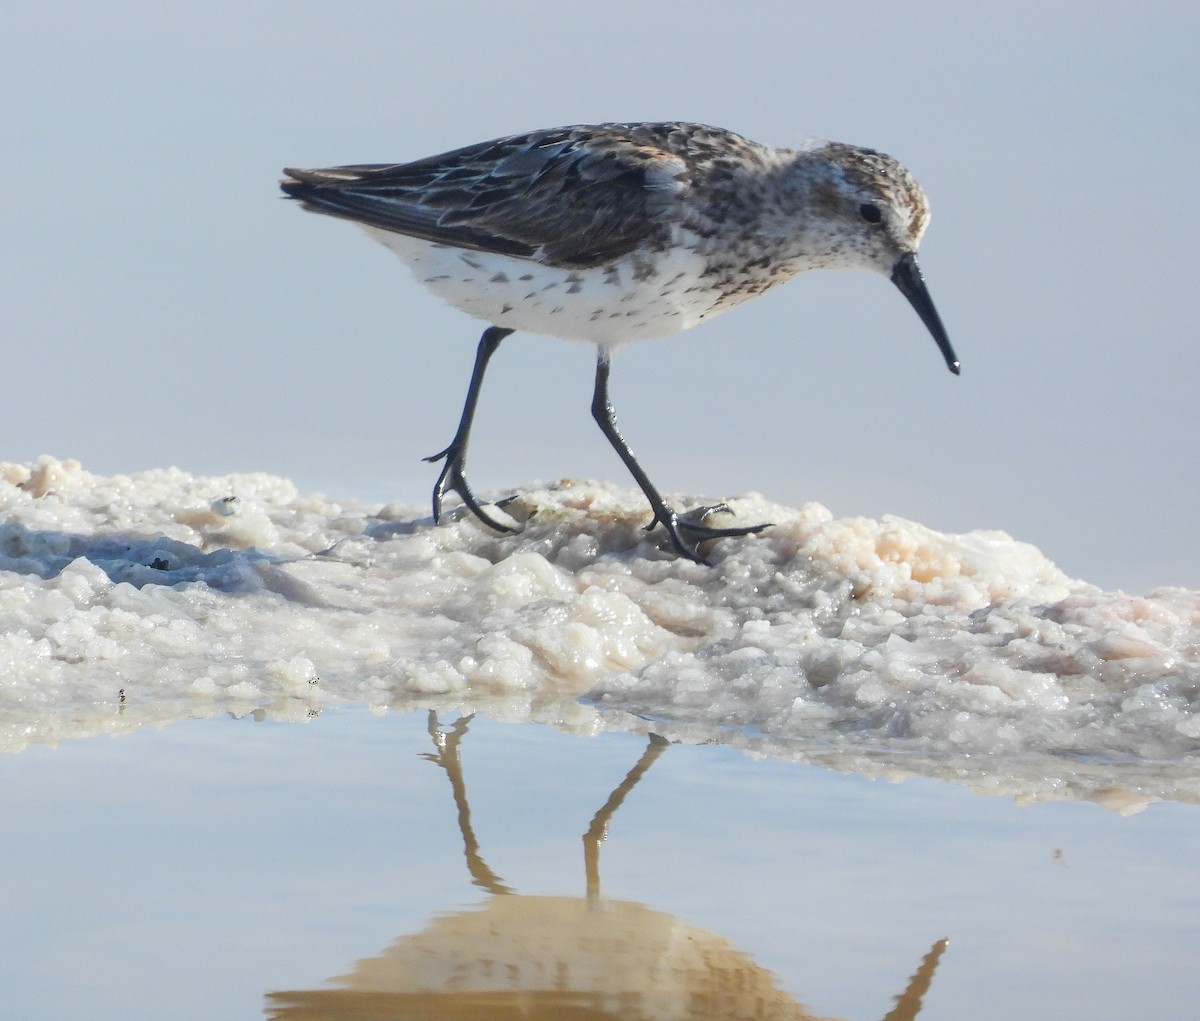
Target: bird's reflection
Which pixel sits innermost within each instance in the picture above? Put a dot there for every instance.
(519, 957)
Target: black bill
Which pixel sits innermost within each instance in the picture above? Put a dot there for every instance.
(906, 275)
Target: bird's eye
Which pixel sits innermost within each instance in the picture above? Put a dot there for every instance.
(870, 212)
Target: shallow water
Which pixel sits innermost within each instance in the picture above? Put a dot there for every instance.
(679, 794)
(229, 868)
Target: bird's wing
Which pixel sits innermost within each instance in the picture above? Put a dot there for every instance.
(571, 197)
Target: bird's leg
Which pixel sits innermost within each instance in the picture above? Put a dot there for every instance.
(602, 412)
(453, 476)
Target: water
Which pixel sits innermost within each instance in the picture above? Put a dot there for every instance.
(228, 868)
(815, 762)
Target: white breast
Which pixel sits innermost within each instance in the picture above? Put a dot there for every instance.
(637, 298)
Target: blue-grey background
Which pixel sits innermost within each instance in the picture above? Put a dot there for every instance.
(161, 305)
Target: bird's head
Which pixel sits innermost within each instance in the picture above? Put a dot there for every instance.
(868, 212)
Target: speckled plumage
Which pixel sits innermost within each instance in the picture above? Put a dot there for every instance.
(618, 232)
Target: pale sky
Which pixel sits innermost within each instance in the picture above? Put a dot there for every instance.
(163, 306)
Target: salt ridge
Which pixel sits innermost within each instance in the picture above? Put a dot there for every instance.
(881, 647)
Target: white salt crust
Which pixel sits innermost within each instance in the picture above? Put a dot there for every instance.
(881, 647)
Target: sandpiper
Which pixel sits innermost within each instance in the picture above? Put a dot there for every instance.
(611, 233)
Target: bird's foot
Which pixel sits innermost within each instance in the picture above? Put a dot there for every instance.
(453, 479)
(696, 530)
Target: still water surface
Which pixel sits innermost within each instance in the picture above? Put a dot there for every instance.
(401, 866)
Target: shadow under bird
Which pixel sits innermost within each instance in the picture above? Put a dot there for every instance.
(612, 233)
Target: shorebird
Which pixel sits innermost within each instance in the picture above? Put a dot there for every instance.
(612, 233)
